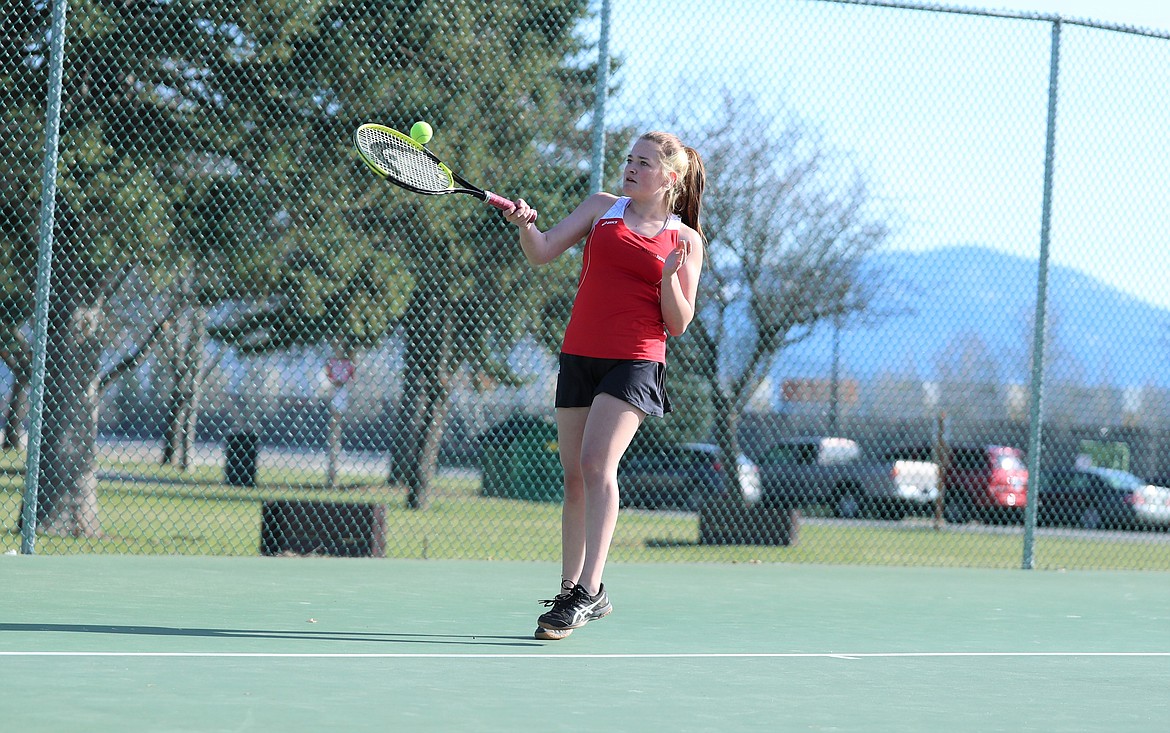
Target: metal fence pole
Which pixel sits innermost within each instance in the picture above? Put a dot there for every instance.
(602, 90)
(36, 390)
(1037, 396)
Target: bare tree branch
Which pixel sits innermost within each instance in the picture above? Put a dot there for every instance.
(791, 224)
(140, 352)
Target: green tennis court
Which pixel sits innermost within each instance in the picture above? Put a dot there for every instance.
(121, 643)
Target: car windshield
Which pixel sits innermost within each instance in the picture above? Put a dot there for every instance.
(1120, 480)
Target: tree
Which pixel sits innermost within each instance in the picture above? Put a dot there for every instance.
(93, 230)
(21, 116)
(512, 122)
(969, 377)
(206, 150)
(162, 102)
(444, 276)
(789, 224)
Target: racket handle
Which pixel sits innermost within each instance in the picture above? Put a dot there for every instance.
(503, 204)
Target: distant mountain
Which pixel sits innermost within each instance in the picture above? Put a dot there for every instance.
(982, 300)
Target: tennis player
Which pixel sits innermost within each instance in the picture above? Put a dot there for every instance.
(639, 278)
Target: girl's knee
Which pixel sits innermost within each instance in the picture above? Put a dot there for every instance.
(596, 472)
(574, 488)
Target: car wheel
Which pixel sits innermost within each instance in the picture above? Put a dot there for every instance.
(894, 510)
(849, 504)
(957, 510)
(1090, 518)
(994, 516)
(694, 501)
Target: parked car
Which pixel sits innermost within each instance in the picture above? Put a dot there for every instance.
(986, 482)
(833, 471)
(682, 476)
(1102, 498)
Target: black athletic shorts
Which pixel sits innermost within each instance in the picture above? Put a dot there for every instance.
(638, 382)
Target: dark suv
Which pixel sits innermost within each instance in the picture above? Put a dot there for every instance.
(682, 476)
(986, 482)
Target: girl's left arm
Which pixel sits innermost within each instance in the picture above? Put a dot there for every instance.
(680, 281)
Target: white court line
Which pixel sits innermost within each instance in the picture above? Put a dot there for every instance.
(681, 655)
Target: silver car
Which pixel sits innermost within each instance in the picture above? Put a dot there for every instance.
(682, 476)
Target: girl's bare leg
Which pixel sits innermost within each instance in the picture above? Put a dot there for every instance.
(609, 428)
(570, 433)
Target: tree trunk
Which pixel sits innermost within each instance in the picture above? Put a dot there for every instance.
(67, 497)
(426, 406)
(186, 389)
(185, 356)
(726, 428)
(170, 375)
(16, 411)
(200, 370)
(425, 397)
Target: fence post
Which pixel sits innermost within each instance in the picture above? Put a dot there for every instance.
(1037, 397)
(600, 93)
(36, 389)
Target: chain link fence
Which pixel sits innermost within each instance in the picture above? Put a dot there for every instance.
(252, 345)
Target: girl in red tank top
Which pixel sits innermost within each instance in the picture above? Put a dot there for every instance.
(639, 279)
(617, 313)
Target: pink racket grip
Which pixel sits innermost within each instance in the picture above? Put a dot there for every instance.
(503, 204)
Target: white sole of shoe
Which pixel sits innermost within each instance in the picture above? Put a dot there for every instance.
(551, 634)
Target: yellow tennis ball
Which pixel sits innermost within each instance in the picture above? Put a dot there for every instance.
(421, 132)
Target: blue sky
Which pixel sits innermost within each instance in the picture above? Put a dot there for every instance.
(1154, 14)
(944, 113)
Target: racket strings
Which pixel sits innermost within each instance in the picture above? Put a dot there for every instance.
(397, 159)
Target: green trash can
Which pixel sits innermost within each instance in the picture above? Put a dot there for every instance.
(520, 459)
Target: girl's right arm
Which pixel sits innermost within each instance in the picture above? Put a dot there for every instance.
(543, 247)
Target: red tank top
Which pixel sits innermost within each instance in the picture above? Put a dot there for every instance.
(617, 313)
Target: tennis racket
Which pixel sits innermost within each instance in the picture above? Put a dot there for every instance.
(404, 162)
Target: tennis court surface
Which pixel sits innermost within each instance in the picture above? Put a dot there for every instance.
(129, 643)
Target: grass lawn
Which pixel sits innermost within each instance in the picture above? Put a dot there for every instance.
(150, 509)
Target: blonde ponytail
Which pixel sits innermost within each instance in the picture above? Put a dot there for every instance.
(685, 197)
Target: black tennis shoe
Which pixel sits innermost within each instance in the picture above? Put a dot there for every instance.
(574, 609)
(556, 634)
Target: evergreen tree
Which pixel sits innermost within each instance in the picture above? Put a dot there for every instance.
(206, 158)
